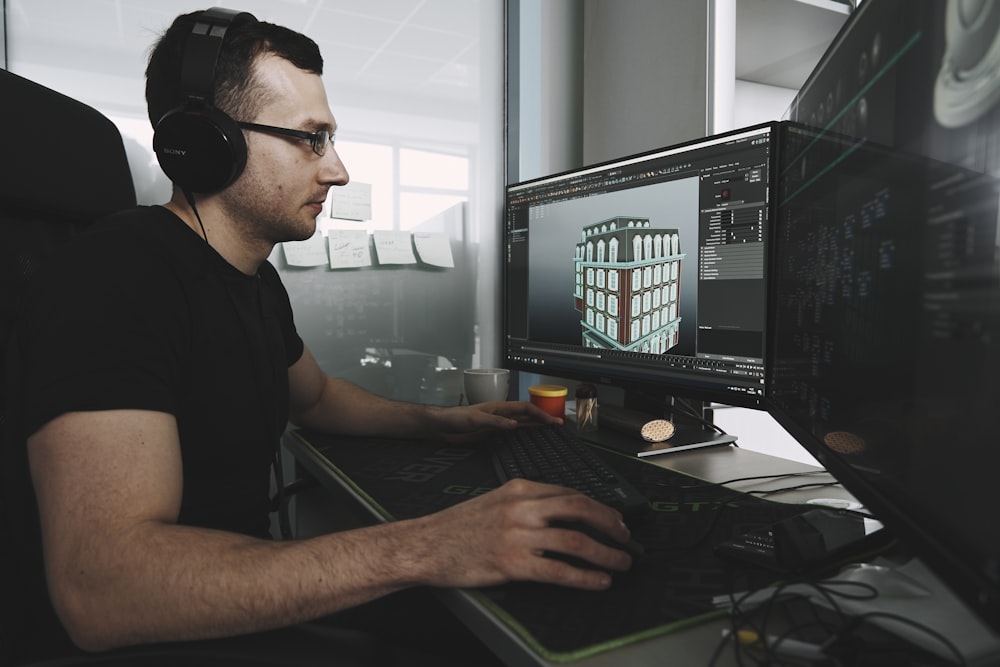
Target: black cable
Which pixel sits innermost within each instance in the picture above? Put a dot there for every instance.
(768, 492)
(838, 635)
(944, 641)
(690, 411)
(768, 649)
(805, 473)
(189, 196)
(280, 501)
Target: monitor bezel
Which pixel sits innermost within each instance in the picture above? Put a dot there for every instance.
(650, 387)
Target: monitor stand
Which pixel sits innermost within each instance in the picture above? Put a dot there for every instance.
(621, 427)
(911, 591)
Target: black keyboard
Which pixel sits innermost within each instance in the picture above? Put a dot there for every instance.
(554, 455)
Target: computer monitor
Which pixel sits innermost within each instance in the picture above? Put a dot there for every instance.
(886, 289)
(647, 272)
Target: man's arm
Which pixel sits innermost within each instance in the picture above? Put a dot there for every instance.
(121, 571)
(330, 405)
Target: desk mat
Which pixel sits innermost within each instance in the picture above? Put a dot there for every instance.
(670, 587)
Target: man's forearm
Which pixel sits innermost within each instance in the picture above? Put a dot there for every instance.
(213, 584)
(346, 408)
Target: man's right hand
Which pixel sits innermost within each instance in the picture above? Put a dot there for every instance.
(502, 535)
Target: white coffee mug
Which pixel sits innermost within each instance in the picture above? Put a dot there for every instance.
(486, 384)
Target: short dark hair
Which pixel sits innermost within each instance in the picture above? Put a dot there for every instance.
(234, 91)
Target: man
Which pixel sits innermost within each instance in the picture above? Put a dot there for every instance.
(162, 363)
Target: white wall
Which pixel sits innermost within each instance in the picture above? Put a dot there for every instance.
(760, 103)
(645, 66)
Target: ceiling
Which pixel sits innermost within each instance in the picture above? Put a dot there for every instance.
(423, 51)
(419, 47)
(778, 42)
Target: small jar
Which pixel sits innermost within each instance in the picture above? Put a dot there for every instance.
(549, 397)
(586, 407)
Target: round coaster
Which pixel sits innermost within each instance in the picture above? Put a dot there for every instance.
(845, 442)
(657, 430)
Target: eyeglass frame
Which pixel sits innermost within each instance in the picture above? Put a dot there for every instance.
(317, 140)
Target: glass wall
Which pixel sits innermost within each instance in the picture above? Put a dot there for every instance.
(417, 89)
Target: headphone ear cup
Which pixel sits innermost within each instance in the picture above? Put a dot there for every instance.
(200, 149)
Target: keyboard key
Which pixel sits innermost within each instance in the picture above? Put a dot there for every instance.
(554, 455)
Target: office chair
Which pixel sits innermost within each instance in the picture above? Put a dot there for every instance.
(64, 166)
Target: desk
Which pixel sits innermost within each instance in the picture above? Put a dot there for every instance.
(691, 645)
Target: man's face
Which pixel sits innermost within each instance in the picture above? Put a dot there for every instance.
(285, 183)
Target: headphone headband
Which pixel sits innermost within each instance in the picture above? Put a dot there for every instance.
(201, 52)
(199, 147)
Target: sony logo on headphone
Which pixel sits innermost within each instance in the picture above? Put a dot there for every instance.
(174, 151)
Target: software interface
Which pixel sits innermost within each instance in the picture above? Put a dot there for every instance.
(651, 268)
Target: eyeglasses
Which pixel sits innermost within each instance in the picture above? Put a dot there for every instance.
(318, 140)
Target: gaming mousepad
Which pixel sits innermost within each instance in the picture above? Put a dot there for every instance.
(671, 586)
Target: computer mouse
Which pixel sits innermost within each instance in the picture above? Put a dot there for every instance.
(632, 548)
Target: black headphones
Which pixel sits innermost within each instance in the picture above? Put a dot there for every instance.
(199, 147)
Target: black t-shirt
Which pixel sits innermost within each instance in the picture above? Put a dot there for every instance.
(141, 313)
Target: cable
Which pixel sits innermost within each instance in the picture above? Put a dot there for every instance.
(280, 501)
(944, 641)
(784, 489)
(695, 414)
(725, 483)
(843, 645)
(189, 196)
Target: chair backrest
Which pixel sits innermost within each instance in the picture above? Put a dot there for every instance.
(64, 166)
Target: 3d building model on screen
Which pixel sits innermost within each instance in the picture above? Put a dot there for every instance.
(628, 285)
